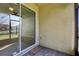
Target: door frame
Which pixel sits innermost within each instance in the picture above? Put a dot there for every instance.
(76, 28)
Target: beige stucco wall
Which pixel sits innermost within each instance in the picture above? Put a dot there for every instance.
(57, 27)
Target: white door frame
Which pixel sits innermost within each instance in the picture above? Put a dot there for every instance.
(22, 52)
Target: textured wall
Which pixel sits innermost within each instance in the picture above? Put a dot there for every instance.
(57, 27)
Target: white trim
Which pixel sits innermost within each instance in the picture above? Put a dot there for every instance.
(21, 53)
(20, 30)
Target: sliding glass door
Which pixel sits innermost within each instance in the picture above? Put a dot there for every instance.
(28, 27)
(17, 28)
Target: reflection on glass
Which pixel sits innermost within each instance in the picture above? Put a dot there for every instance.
(15, 31)
(10, 42)
(28, 28)
(4, 29)
(9, 29)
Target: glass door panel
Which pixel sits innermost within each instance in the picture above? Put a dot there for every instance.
(28, 27)
(9, 40)
(15, 32)
(12, 39)
(4, 30)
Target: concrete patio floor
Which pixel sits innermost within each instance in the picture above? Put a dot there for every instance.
(42, 51)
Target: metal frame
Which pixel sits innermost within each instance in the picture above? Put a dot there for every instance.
(76, 29)
(21, 25)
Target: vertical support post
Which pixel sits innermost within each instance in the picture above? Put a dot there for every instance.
(9, 27)
(20, 30)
